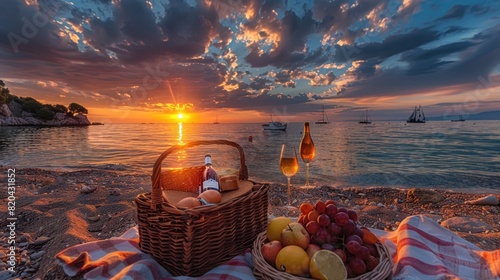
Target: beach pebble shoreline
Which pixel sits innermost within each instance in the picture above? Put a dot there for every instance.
(53, 213)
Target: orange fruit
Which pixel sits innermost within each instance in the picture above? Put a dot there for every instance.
(369, 237)
(313, 215)
(326, 265)
(294, 260)
(305, 208)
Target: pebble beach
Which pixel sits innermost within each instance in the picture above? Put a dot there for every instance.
(55, 210)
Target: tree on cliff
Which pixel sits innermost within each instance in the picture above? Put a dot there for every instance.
(4, 93)
(77, 108)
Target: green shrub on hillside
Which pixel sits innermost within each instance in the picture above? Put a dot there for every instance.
(32, 106)
(45, 113)
(77, 108)
(41, 111)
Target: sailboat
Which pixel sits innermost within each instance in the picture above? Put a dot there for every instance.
(274, 125)
(325, 118)
(365, 118)
(417, 116)
(216, 120)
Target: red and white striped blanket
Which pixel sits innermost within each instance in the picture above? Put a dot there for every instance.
(420, 248)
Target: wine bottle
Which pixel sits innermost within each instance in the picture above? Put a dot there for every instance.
(210, 179)
(307, 150)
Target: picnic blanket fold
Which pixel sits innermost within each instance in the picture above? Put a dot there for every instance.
(420, 249)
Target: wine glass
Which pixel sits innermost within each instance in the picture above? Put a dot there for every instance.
(289, 166)
(307, 151)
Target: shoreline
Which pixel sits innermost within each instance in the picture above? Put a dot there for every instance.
(50, 207)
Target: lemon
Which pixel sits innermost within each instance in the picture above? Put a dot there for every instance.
(326, 265)
(276, 226)
(294, 260)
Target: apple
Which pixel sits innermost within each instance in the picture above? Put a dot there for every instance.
(270, 250)
(312, 249)
(295, 234)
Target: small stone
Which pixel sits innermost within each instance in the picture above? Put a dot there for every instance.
(25, 274)
(41, 240)
(432, 212)
(380, 205)
(94, 218)
(116, 192)
(88, 189)
(2, 255)
(423, 196)
(372, 204)
(465, 224)
(37, 255)
(487, 200)
(6, 274)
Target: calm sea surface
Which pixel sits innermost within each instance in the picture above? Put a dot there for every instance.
(452, 155)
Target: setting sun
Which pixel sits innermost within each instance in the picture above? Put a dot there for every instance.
(180, 116)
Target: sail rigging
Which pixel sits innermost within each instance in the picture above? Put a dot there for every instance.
(418, 116)
(325, 118)
(365, 118)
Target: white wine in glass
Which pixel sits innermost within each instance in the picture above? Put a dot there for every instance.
(307, 150)
(289, 166)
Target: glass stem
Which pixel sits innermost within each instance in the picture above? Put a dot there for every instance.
(288, 191)
(307, 174)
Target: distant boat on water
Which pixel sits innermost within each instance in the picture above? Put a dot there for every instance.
(460, 119)
(365, 118)
(216, 120)
(417, 116)
(274, 125)
(325, 118)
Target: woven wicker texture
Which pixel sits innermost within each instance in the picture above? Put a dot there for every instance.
(193, 241)
(262, 270)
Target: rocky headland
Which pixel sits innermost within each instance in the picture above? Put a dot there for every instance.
(12, 114)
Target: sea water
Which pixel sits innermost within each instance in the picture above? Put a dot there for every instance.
(439, 154)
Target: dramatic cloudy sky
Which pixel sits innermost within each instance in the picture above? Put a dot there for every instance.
(134, 60)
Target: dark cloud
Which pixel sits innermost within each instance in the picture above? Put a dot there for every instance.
(454, 29)
(455, 12)
(392, 45)
(479, 9)
(293, 32)
(476, 62)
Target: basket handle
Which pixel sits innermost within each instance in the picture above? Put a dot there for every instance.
(156, 193)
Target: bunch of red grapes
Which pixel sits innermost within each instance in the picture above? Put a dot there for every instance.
(334, 228)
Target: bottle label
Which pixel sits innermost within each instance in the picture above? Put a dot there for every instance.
(210, 184)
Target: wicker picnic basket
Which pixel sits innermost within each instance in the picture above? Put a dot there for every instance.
(193, 241)
(262, 270)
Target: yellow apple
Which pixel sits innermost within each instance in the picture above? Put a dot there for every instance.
(295, 234)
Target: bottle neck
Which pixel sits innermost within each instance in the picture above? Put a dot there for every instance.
(208, 160)
(306, 127)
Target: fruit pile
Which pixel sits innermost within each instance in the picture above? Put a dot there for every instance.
(325, 243)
